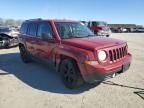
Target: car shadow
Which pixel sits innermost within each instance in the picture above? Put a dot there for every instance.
(140, 93)
(115, 84)
(36, 75)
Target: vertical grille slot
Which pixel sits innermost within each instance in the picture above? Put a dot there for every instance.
(125, 50)
(110, 55)
(122, 51)
(114, 53)
(118, 53)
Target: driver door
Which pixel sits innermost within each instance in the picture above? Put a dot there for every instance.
(45, 41)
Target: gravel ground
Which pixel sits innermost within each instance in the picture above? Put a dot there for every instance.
(39, 86)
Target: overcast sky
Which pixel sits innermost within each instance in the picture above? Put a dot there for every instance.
(112, 11)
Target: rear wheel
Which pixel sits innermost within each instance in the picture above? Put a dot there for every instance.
(24, 55)
(70, 73)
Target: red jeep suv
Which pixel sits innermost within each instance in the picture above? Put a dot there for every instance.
(74, 50)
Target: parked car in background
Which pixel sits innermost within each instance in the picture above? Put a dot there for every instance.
(134, 30)
(124, 30)
(120, 30)
(140, 29)
(114, 30)
(8, 37)
(129, 30)
(74, 50)
(99, 28)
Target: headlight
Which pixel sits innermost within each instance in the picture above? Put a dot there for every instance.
(102, 55)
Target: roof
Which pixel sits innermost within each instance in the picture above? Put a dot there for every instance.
(53, 20)
(96, 21)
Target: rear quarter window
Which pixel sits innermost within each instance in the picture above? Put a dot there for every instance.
(23, 28)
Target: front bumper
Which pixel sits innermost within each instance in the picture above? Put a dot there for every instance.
(98, 72)
(9, 43)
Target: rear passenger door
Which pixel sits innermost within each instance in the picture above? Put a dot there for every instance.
(31, 38)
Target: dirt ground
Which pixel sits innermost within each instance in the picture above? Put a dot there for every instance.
(39, 86)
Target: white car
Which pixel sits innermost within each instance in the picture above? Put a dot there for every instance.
(8, 37)
(124, 30)
(140, 29)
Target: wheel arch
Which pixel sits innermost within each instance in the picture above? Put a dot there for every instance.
(77, 56)
(20, 44)
(62, 57)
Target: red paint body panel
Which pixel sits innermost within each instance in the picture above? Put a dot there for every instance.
(80, 49)
(97, 28)
(92, 43)
(90, 70)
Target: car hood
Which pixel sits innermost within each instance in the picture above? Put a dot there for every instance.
(92, 43)
(10, 34)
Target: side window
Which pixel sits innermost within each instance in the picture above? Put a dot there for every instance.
(44, 30)
(23, 28)
(32, 30)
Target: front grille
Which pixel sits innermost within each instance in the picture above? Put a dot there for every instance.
(117, 53)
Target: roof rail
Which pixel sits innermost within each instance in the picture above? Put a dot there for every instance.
(34, 19)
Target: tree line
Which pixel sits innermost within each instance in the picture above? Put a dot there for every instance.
(11, 22)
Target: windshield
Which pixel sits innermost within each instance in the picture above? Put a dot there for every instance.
(68, 30)
(99, 23)
(4, 30)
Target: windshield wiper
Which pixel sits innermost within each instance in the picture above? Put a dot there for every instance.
(71, 37)
(90, 36)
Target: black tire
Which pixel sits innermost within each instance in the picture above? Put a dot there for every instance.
(24, 55)
(95, 32)
(70, 74)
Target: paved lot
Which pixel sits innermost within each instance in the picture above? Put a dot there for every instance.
(38, 86)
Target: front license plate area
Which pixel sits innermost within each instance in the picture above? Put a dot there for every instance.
(125, 66)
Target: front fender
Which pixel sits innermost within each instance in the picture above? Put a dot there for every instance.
(79, 55)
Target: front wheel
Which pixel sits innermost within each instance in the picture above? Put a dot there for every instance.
(70, 74)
